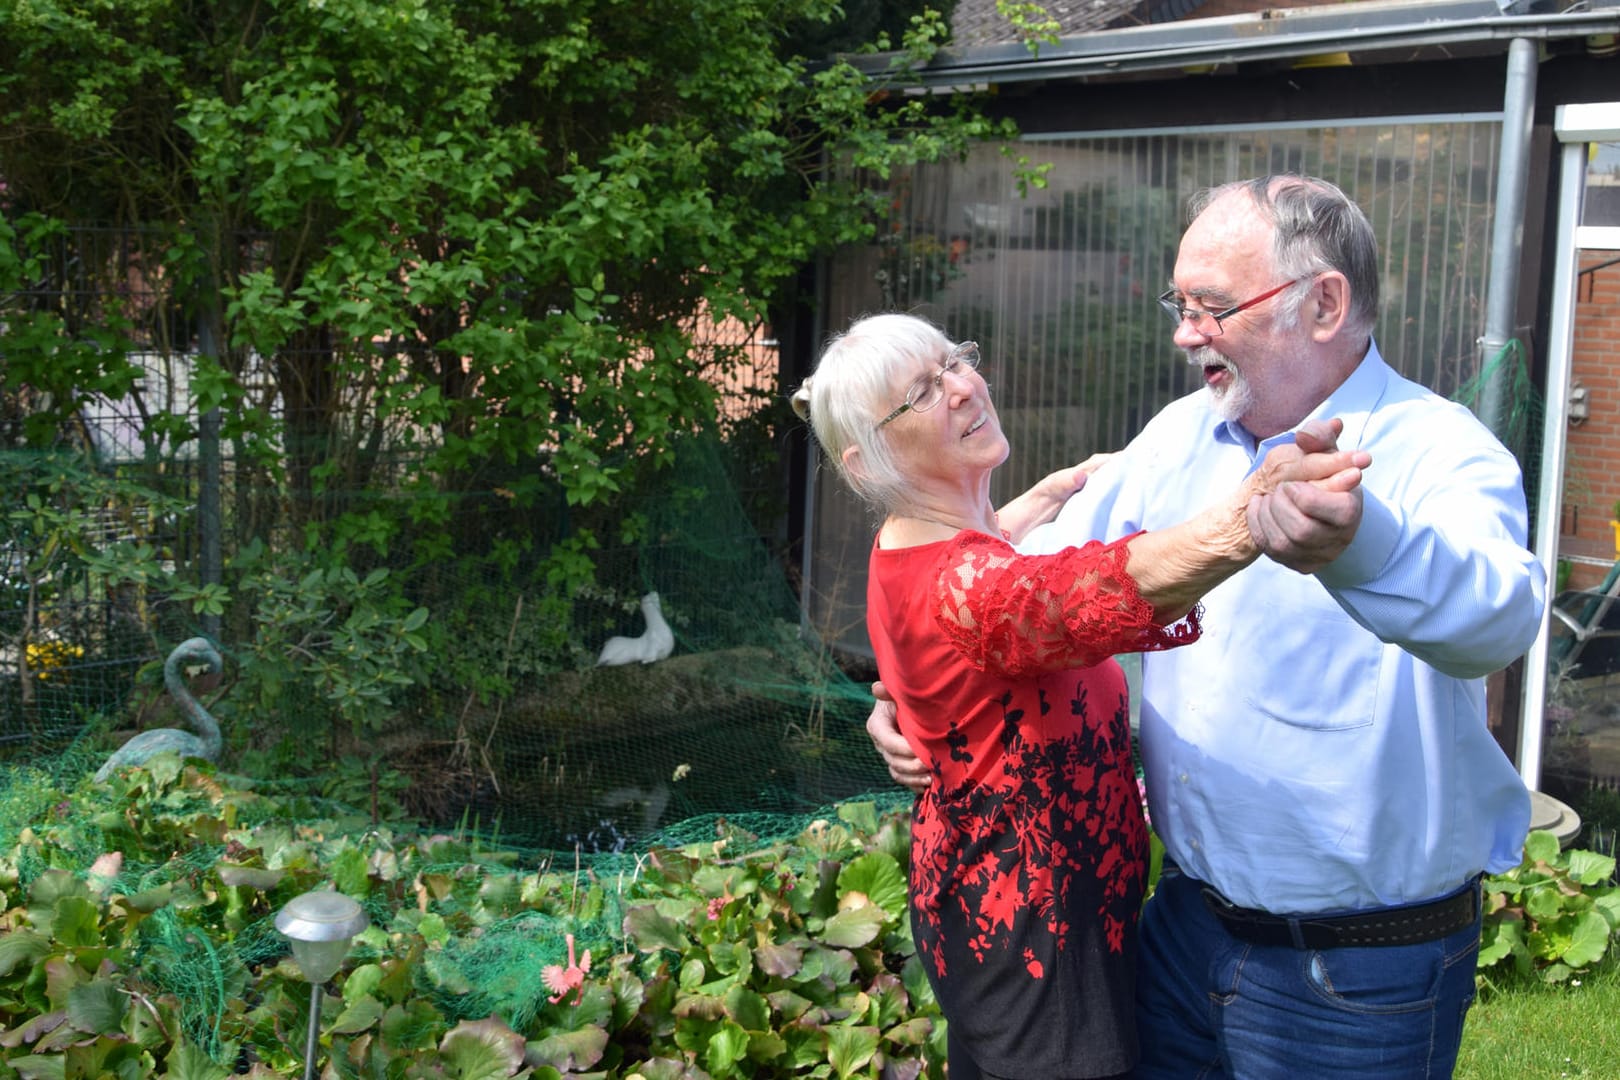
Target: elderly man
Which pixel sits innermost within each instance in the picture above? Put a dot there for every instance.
(1319, 766)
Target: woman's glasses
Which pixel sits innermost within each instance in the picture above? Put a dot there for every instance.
(927, 391)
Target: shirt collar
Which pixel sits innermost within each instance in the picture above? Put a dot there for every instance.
(1351, 401)
(1354, 400)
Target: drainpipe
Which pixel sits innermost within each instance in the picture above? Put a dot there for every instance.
(1507, 242)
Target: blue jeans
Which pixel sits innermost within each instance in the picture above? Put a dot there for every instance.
(1209, 1005)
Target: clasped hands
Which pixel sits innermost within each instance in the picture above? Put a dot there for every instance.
(1304, 501)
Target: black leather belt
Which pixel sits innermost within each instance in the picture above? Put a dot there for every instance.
(1405, 925)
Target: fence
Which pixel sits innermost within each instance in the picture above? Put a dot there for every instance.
(1058, 285)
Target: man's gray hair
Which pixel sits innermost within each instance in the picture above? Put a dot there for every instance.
(1316, 227)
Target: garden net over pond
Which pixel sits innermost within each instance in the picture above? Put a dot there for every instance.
(458, 688)
(493, 823)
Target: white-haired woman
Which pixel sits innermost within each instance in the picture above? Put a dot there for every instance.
(1029, 849)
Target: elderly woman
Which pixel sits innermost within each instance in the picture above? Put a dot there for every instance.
(1029, 849)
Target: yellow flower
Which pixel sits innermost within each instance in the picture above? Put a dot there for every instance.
(47, 656)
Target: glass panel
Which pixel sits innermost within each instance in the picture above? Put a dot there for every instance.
(1602, 203)
(1058, 284)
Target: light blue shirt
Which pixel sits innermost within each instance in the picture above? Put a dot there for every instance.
(1324, 746)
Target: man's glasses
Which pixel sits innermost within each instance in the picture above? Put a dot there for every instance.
(927, 391)
(1208, 323)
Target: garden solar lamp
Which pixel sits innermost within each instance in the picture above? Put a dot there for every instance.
(320, 926)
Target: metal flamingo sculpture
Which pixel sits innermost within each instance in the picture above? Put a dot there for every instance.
(205, 744)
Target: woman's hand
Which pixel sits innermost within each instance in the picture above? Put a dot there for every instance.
(1313, 457)
(1041, 502)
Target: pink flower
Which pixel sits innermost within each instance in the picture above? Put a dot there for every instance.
(560, 980)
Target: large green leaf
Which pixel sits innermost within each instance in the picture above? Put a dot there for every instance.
(748, 1009)
(850, 1048)
(569, 1051)
(787, 1004)
(1499, 940)
(651, 930)
(21, 949)
(1588, 941)
(862, 815)
(411, 1027)
(1589, 867)
(780, 960)
(53, 885)
(359, 1014)
(188, 1062)
(880, 878)
(76, 921)
(39, 1066)
(728, 1044)
(1546, 904)
(1540, 846)
(97, 1007)
(482, 1050)
(854, 927)
(820, 963)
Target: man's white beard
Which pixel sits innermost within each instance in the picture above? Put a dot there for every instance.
(1233, 401)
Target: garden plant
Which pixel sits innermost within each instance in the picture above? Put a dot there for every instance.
(139, 941)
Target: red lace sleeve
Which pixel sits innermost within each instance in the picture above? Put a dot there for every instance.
(1014, 614)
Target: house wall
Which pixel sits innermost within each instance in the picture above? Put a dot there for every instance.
(1592, 472)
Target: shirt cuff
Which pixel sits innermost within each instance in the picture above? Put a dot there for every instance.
(1367, 554)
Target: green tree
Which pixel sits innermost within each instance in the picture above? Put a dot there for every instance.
(483, 226)
(438, 246)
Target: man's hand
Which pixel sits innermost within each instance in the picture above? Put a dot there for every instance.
(883, 726)
(1305, 525)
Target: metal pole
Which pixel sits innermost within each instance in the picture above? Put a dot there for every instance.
(1550, 493)
(209, 497)
(314, 1031)
(1507, 240)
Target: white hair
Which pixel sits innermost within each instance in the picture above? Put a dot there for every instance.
(851, 390)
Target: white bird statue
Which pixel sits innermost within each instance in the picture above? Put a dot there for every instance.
(657, 642)
(205, 744)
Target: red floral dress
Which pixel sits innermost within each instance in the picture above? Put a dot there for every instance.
(1029, 850)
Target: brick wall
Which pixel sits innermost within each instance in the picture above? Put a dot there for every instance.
(1592, 469)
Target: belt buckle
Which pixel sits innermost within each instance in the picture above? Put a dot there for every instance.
(1223, 908)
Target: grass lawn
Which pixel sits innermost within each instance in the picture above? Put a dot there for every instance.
(1528, 1031)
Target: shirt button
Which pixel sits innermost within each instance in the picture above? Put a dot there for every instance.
(1182, 778)
(1194, 844)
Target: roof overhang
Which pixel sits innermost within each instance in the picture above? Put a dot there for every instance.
(1277, 34)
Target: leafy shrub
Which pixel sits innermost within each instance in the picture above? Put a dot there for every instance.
(139, 942)
(1553, 915)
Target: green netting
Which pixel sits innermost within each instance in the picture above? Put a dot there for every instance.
(194, 885)
(749, 712)
(1506, 399)
(748, 730)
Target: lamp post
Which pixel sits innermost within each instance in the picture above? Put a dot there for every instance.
(320, 926)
